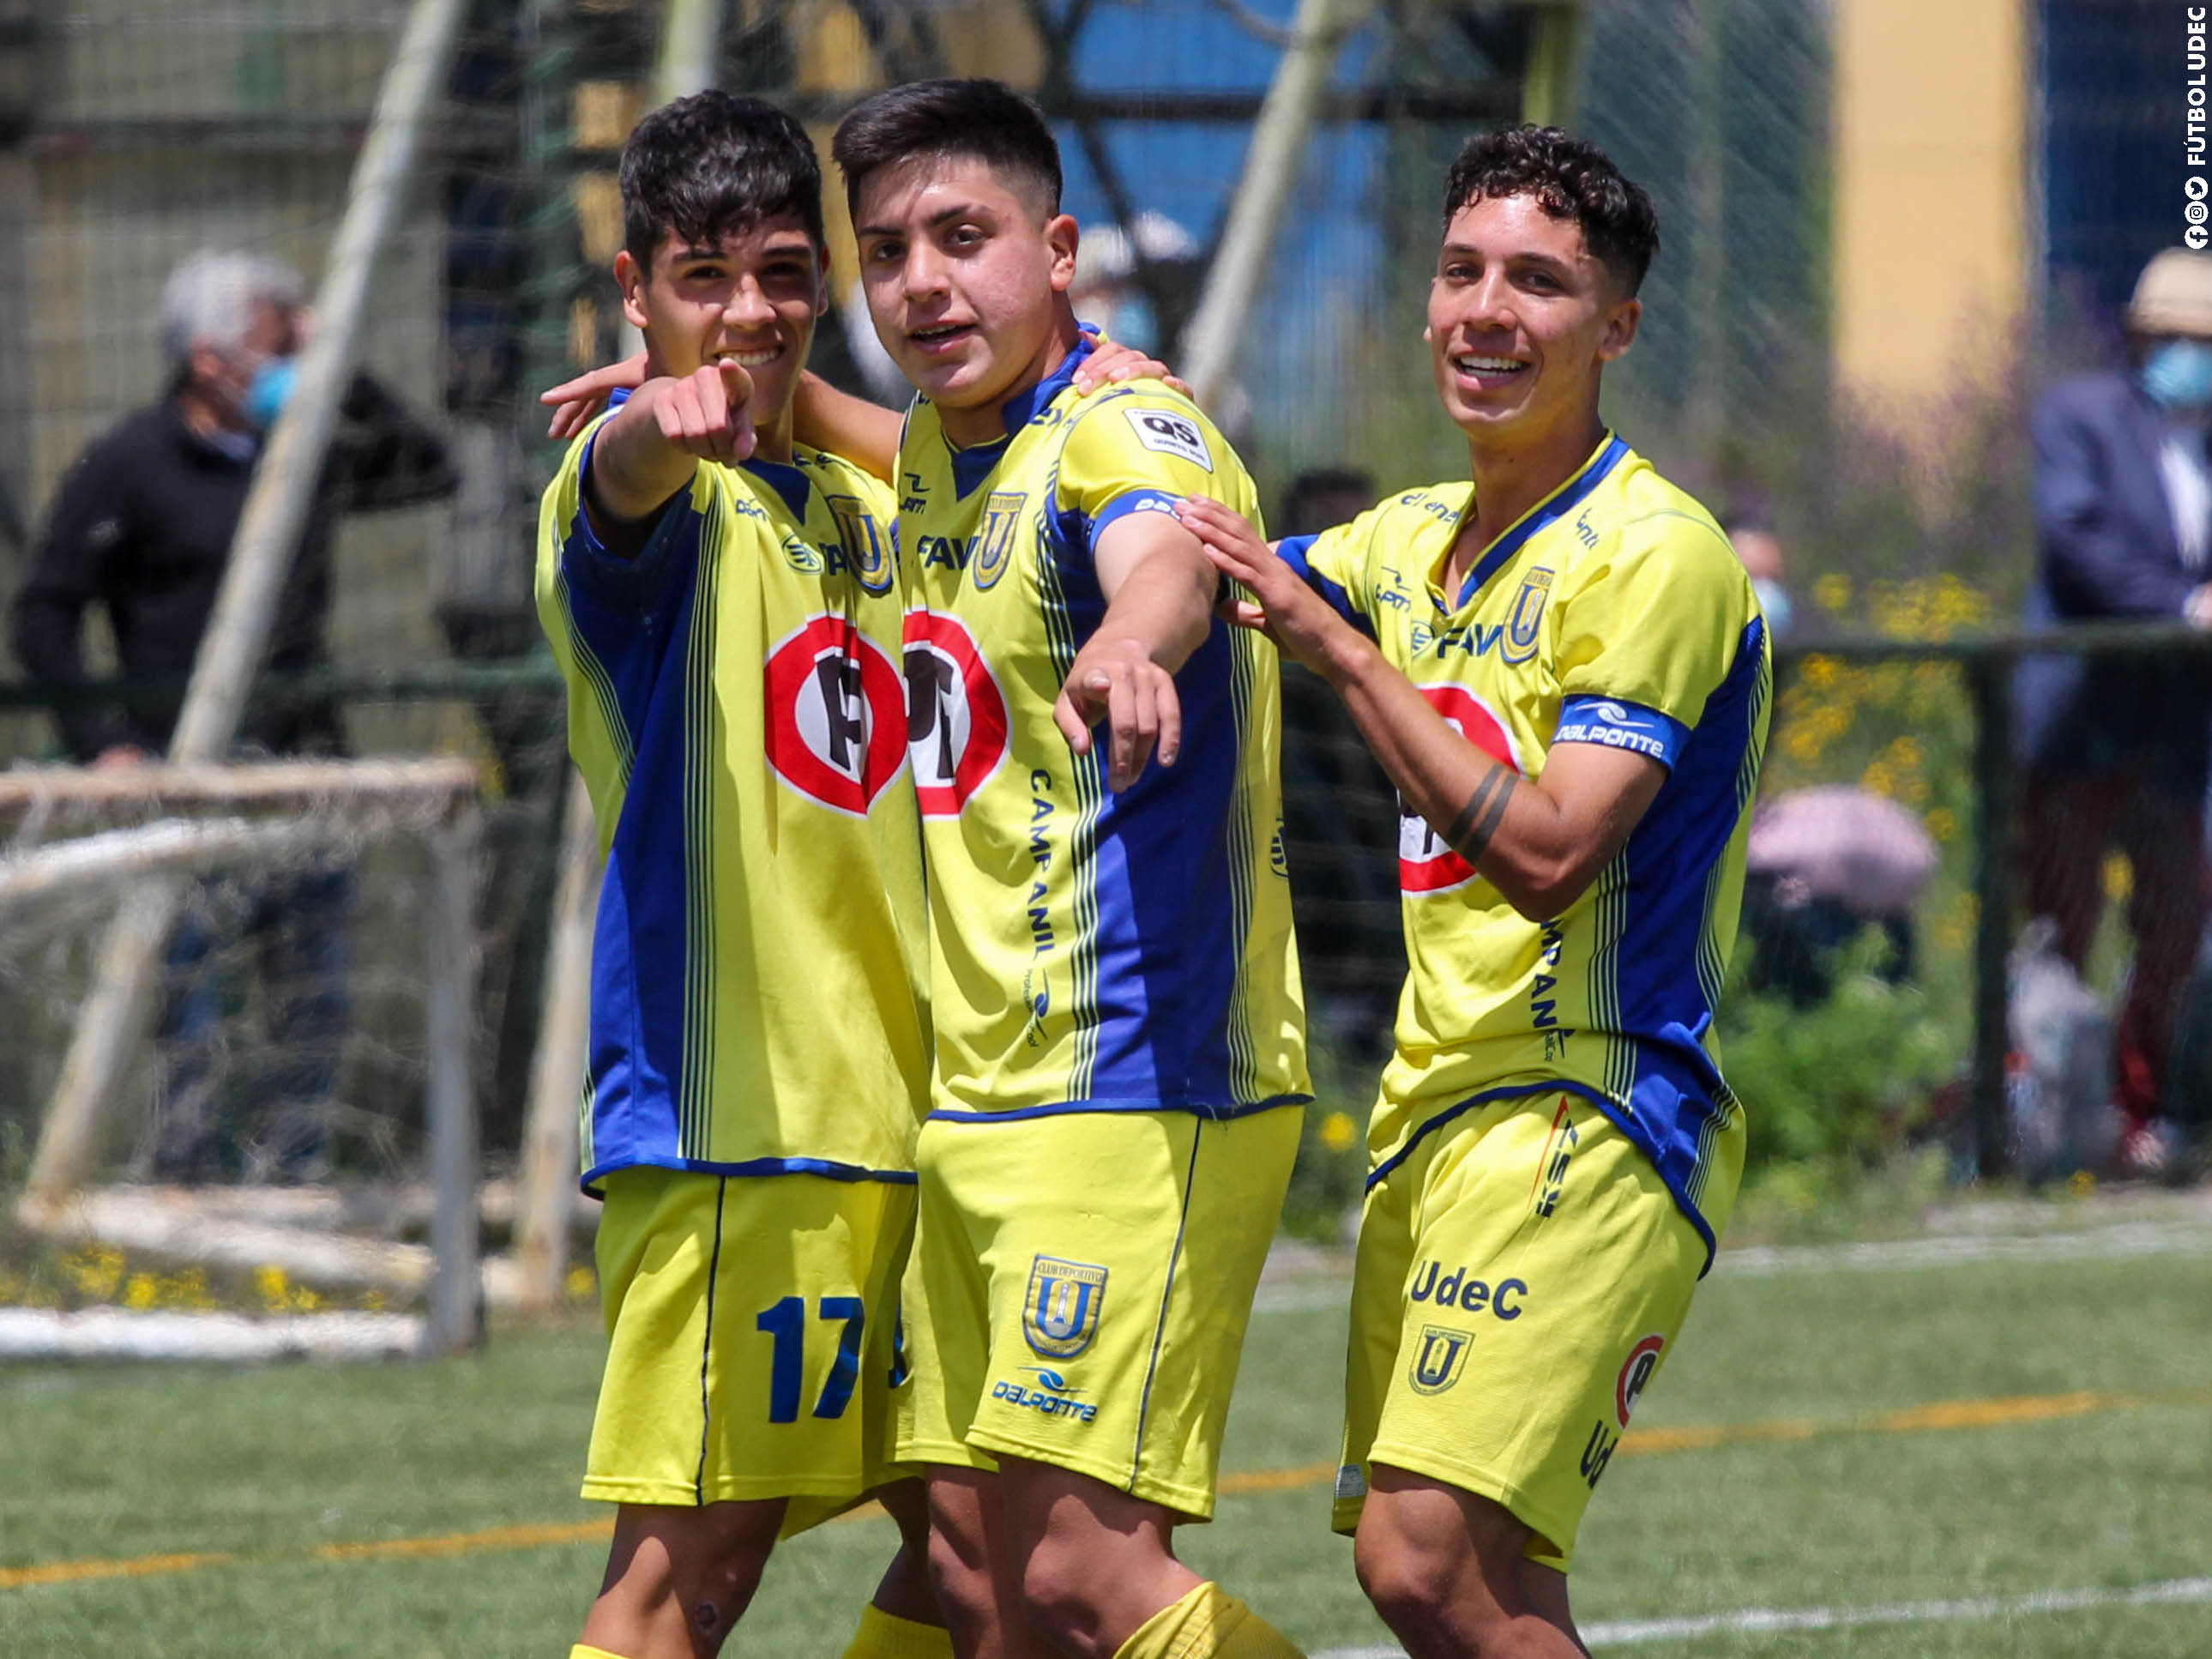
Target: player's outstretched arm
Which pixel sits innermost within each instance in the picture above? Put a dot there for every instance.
(656, 440)
(1160, 595)
(1540, 843)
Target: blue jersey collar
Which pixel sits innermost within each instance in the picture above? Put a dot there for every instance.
(1554, 506)
(970, 466)
(787, 480)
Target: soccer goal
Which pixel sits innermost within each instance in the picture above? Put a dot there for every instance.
(281, 1101)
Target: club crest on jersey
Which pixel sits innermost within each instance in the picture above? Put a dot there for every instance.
(1528, 617)
(834, 724)
(1438, 1360)
(1170, 434)
(1628, 1387)
(995, 547)
(867, 548)
(1060, 1311)
(1426, 864)
(956, 721)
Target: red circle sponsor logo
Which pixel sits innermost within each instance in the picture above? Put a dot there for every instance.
(1426, 864)
(956, 714)
(1643, 1360)
(835, 722)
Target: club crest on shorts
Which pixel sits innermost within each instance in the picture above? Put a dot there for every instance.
(1439, 1359)
(1059, 1312)
(994, 548)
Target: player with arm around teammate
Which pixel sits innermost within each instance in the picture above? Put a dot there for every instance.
(1120, 1060)
(1564, 669)
(725, 607)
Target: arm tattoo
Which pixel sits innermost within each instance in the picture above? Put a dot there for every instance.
(1470, 832)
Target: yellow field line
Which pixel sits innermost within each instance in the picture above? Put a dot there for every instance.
(1941, 1415)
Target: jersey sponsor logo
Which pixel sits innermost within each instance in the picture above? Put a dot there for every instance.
(867, 550)
(1612, 726)
(956, 721)
(994, 548)
(1597, 1452)
(1053, 1397)
(1635, 1372)
(1170, 434)
(1528, 617)
(834, 726)
(1456, 1290)
(1060, 1308)
(1439, 1359)
(1426, 864)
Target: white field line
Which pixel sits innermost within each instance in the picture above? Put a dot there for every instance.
(2118, 1242)
(1627, 1632)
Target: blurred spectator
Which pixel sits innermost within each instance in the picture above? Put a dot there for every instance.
(1323, 498)
(2116, 747)
(1823, 865)
(1759, 550)
(141, 526)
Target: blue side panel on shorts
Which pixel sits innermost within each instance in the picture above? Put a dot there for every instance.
(1675, 1092)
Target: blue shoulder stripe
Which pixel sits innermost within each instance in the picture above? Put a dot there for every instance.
(1292, 551)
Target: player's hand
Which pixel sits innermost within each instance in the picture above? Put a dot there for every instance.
(576, 402)
(1298, 620)
(1111, 363)
(705, 413)
(1118, 682)
(119, 758)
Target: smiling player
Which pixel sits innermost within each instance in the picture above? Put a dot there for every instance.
(724, 606)
(1120, 1050)
(1561, 666)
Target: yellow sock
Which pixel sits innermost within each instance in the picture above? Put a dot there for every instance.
(580, 1651)
(886, 1635)
(1207, 1622)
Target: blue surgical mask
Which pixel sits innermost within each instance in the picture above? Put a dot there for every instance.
(2178, 375)
(269, 390)
(1774, 600)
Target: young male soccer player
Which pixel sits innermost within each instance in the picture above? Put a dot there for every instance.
(1561, 666)
(1119, 1040)
(724, 606)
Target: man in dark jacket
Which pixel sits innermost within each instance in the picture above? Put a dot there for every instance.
(141, 526)
(2117, 747)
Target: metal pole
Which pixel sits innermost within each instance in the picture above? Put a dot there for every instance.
(1271, 167)
(691, 46)
(1989, 679)
(116, 1014)
(456, 1313)
(547, 1193)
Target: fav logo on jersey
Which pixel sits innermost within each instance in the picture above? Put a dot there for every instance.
(835, 721)
(1170, 434)
(957, 720)
(1628, 1387)
(994, 548)
(866, 548)
(1059, 1309)
(1439, 1359)
(1426, 864)
(1522, 626)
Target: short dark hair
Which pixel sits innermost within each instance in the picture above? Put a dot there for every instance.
(1569, 178)
(977, 117)
(712, 163)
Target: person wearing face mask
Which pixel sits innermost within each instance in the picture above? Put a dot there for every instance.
(2116, 748)
(141, 526)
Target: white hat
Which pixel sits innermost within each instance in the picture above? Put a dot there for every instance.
(2173, 296)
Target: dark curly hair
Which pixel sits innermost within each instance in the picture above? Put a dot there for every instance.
(713, 163)
(1569, 178)
(978, 118)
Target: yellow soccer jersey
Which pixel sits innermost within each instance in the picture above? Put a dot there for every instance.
(1613, 613)
(1091, 951)
(736, 706)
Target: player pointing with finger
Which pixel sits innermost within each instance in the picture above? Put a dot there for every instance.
(1561, 664)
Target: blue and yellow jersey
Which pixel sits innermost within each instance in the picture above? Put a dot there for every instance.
(1091, 951)
(1614, 613)
(737, 708)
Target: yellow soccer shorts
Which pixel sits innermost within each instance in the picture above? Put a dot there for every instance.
(1521, 1276)
(1081, 1289)
(752, 1327)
